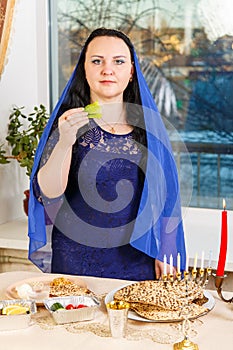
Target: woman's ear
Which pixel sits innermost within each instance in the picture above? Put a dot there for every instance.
(132, 72)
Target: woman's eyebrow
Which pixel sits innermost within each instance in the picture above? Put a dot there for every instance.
(118, 56)
(97, 56)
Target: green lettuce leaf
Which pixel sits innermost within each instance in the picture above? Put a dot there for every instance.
(93, 110)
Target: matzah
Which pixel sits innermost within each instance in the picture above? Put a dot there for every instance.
(156, 313)
(168, 296)
(60, 287)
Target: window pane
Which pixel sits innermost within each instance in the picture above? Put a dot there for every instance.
(185, 49)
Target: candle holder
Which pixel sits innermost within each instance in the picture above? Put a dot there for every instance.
(218, 284)
(193, 282)
(185, 344)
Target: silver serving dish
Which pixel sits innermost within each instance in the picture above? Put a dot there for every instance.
(62, 316)
(12, 322)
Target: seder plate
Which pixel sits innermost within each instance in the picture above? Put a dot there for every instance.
(11, 292)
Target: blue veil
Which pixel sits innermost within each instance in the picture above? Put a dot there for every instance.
(158, 228)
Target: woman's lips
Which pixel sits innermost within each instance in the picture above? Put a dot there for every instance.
(107, 82)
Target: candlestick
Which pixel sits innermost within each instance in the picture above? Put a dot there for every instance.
(202, 259)
(164, 265)
(195, 263)
(210, 258)
(178, 263)
(218, 284)
(223, 245)
(187, 263)
(171, 264)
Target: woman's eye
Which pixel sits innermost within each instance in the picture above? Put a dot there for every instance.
(119, 62)
(96, 61)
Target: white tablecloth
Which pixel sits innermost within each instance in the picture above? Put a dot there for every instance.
(211, 332)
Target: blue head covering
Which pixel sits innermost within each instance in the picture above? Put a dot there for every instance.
(158, 228)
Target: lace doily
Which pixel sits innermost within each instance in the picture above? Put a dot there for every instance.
(164, 333)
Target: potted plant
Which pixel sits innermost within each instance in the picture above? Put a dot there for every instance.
(24, 133)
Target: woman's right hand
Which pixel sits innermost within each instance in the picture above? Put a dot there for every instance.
(69, 123)
(53, 176)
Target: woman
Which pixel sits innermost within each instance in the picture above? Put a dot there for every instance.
(109, 185)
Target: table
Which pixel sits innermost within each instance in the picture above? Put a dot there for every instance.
(213, 330)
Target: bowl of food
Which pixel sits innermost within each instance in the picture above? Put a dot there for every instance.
(16, 313)
(36, 291)
(71, 309)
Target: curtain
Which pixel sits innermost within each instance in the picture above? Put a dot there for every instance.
(6, 15)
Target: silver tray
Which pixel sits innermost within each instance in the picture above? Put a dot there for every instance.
(13, 322)
(62, 316)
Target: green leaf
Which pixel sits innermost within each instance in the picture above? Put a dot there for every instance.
(93, 110)
(22, 138)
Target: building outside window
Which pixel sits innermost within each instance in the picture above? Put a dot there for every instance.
(185, 48)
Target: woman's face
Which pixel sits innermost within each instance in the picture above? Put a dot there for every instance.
(108, 68)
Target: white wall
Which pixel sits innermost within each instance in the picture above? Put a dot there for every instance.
(24, 82)
(203, 233)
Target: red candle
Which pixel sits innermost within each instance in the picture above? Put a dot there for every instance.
(223, 245)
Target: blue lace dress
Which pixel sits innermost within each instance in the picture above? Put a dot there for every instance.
(93, 226)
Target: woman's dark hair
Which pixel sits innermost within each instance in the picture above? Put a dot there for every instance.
(79, 93)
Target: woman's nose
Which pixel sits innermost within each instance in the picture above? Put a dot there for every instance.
(107, 69)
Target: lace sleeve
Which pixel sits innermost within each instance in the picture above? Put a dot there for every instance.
(51, 205)
(51, 142)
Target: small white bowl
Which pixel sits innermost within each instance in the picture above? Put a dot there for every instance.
(62, 316)
(38, 296)
(37, 292)
(13, 322)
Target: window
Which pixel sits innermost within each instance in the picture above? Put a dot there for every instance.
(186, 53)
